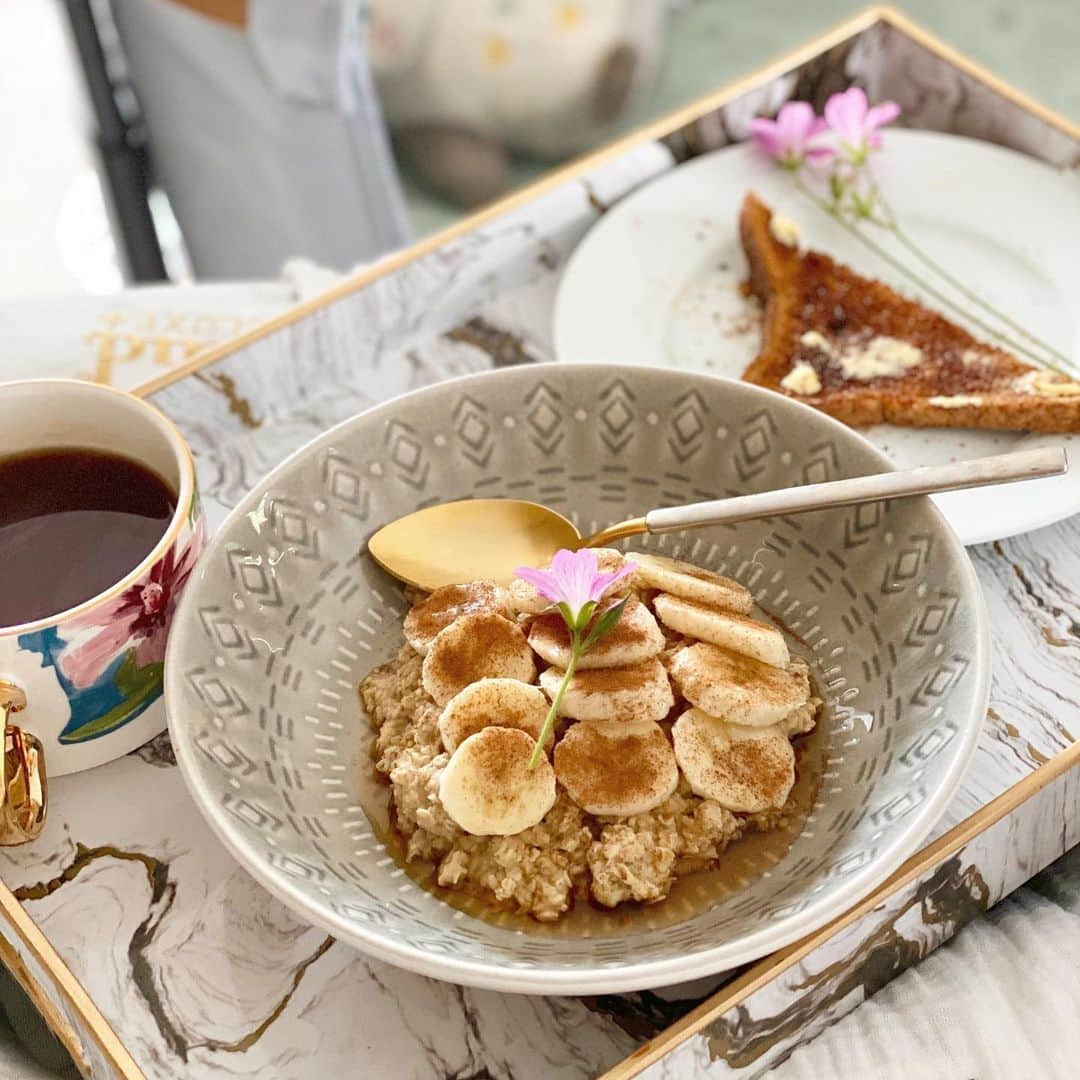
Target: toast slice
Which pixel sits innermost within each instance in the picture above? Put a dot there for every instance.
(867, 355)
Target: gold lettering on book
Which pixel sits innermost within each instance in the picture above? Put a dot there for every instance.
(166, 339)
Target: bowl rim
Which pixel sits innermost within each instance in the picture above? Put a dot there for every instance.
(629, 976)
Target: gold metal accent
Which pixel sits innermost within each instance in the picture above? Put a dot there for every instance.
(921, 36)
(162, 338)
(232, 12)
(619, 531)
(24, 788)
(763, 972)
(69, 989)
(474, 538)
(480, 538)
(53, 1016)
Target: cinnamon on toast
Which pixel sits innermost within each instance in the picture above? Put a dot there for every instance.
(867, 355)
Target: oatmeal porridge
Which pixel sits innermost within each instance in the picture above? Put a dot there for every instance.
(673, 739)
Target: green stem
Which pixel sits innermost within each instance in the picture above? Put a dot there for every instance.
(930, 290)
(902, 236)
(556, 701)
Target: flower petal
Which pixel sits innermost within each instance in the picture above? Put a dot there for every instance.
(563, 569)
(795, 136)
(880, 115)
(766, 134)
(603, 582)
(845, 113)
(86, 663)
(543, 581)
(796, 122)
(580, 568)
(151, 650)
(573, 581)
(125, 605)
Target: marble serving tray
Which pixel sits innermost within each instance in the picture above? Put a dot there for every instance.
(151, 953)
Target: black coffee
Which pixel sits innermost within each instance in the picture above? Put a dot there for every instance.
(72, 523)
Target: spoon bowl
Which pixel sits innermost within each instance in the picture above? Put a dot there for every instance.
(470, 539)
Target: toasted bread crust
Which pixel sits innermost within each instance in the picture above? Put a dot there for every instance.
(809, 291)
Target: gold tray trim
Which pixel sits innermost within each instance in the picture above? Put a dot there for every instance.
(69, 988)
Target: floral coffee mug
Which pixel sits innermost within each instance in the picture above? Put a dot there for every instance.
(86, 683)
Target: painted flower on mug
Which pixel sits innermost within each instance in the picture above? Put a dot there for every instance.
(139, 618)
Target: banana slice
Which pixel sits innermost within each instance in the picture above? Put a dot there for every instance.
(440, 608)
(616, 768)
(746, 769)
(641, 692)
(803, 720)
(735, 632)
(525, 599)
(488, 788)
(492, 703)
(635, 637)
(737, 687)
(691, 582)
(480, 645)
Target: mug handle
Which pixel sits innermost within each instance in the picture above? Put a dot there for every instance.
(24, 787)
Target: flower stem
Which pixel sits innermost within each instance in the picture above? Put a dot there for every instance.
(900, 267)
(556, 701)
(893, 225)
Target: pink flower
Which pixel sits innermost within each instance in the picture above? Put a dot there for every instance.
(574, 580)
(855, 124)
(140, 615)
(574, 584)
(793, 137)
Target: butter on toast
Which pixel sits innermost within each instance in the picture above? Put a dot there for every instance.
(867, 355)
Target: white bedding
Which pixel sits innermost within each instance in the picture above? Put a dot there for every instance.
(1002, 999)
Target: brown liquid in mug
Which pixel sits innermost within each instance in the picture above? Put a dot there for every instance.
(72, 523)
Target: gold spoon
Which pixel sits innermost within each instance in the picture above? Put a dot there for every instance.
(487, 538)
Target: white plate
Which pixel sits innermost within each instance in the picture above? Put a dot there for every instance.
(657, 282)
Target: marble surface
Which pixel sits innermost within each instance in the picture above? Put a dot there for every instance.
(199, 970)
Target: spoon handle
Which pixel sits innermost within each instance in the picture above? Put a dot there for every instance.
(999, 469)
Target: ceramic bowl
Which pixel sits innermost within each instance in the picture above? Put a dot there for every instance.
(286, 613)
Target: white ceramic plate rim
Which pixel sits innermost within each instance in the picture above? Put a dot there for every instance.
(626, 977)
(587, 263)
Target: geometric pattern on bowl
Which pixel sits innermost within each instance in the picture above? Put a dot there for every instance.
(286, 613)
